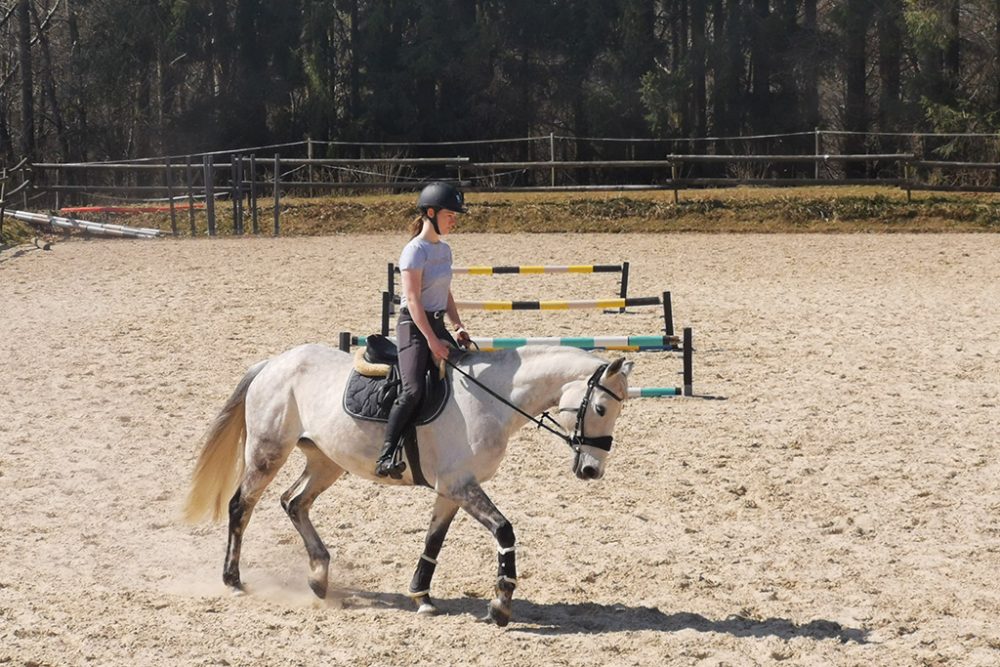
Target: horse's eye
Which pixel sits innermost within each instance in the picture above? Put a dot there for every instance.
(599, 409)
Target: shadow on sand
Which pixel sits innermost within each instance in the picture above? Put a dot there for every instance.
(591, 618)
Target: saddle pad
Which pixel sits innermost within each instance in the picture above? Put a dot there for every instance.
(370, 398)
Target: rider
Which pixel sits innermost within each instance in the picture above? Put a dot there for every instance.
(425, 268)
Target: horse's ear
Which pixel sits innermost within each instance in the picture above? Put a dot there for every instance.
(619, 365)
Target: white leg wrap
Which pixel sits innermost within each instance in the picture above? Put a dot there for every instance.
(418, 594)
(501, 550)
(428, 559)
(509, 580)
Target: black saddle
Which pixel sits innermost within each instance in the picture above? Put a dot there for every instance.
(370, 398)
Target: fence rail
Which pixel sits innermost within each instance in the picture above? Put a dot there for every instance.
(242, 177)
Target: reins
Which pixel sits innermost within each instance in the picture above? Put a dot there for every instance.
(573, 441)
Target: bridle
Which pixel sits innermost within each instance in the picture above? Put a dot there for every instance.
(578, 438)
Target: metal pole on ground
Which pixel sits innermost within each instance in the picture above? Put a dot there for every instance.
(277, 194)
(170, 197)
(208, 168)
(688, 362)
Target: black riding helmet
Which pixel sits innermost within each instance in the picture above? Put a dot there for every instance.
(440, 195)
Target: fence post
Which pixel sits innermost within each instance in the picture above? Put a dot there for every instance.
(253, 192)
(277, 194)
(209, 168)
(58, 198)
(189, 179)
(235, 162)
(309, 171)
(673, 181)
(818, 146)
(3, 199)
(170, 197)
(552, 157)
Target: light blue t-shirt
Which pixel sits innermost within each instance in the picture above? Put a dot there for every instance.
(434, 259)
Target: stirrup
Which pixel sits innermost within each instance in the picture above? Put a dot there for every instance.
(390, 463)
(390, 468)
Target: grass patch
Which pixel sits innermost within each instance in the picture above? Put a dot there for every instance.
(855, 209)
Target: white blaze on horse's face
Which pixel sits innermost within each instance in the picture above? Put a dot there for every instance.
(601, 404)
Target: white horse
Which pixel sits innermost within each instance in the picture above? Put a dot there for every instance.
(295, 399)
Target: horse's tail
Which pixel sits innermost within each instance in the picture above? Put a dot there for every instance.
(220, 464)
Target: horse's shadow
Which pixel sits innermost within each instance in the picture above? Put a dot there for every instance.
(592, 618)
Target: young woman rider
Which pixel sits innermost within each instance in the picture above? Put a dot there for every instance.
(425, 267)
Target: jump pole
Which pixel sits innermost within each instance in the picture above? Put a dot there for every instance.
(561, 305)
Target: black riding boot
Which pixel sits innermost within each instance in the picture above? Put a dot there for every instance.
(390, 459)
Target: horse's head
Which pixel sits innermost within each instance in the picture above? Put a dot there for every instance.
(588, 409)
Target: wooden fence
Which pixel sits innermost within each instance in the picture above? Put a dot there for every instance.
(191, 182)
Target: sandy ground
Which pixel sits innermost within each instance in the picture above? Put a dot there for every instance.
(836, 503)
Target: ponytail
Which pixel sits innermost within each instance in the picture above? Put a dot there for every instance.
(416, 226)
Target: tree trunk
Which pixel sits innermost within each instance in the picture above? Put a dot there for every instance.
(855, 119)
(953, 50)
(760, 72)
(80, 147)
(49, 86)
(697, 60)
(890, 47)
(27, 144)
(810, 69)
(720, 74)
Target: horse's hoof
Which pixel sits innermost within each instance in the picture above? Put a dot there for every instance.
(319, 588)
(425, 605)
(428, 609)
(498, 613)
(237, 591)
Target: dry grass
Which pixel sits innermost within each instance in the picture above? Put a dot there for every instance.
(865, 209)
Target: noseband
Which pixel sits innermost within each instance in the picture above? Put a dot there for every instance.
(578, 438)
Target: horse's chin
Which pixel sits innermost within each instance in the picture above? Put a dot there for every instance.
(587, 467)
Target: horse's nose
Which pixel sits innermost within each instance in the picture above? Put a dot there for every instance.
(590, 472)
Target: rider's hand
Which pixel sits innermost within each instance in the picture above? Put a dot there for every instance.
(439, 348)
(463, 339)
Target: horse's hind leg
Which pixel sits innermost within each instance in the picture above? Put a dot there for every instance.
(319, 474)
(265, 459)
(420, 586)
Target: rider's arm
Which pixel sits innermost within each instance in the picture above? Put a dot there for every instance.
(412, 279)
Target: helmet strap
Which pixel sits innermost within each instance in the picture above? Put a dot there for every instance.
(434, 222)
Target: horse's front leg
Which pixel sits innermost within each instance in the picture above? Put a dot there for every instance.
(475, 501)
(420, 586)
